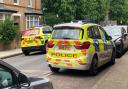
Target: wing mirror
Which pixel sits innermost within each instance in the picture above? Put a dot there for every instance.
(109, 38)
(23, 80)
(125, 34)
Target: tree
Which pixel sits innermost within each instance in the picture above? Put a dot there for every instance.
(96, 9)
(119, 10)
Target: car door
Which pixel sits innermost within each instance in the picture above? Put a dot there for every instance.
(99, 45)
(7, 78)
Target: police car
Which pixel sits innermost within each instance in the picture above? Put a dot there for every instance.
(80, 46)
(35, 39)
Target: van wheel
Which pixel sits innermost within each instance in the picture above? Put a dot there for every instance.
(94, 66)
(26, 53)
(55, 70)
(112, 61)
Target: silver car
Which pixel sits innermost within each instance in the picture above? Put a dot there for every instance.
(11, 78)
(119, 37)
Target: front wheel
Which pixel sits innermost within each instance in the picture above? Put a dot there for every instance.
(55, 70)
(94, 66)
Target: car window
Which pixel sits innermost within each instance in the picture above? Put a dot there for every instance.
(6, 79)
(31, 32)
(104, 34)
(96, 33)
(66, 33)
(90, 32)
(47, 30)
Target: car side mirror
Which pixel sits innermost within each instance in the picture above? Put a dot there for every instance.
(23, 80)
(109, 38)
(125, 34)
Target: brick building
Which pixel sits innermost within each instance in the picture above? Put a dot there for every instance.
(25, 13)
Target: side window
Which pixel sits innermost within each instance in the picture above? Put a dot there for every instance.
(47, 30)
(6, 79)
(96, 33)
(104, 34)
(90, 32)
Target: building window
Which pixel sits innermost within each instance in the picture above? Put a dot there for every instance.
(29, 3)
(32, 21)
(4, 16)
(16, 2)
(1, 1)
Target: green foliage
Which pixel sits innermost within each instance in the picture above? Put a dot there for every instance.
(8, 31)
(52, 19)
(119, 10)
(85, 9)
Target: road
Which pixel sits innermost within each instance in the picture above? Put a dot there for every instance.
(35, 65)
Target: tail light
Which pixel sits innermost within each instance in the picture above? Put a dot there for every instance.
(84, 45)
(50, 44)
(38, 37)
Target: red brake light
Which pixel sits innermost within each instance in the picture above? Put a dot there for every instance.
(50, 44)
(84, 45)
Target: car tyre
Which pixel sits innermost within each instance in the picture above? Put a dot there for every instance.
(55, 70)
(121, 49)
(94, 66)
(26, 53)
(112, 61)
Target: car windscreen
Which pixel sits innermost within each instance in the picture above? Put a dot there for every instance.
(30, 32)
(66, 33)
(113, 31)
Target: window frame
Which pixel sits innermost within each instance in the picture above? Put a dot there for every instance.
(16, 3)
(34, 20)
(29, 1)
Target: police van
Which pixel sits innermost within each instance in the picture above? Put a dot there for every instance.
(80, 46)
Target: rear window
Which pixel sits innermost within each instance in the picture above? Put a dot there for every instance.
(30, 32)
(66, 34)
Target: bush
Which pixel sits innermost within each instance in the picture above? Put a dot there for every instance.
(8, 31)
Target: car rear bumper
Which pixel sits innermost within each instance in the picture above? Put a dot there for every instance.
(34, 48)
(78, 67)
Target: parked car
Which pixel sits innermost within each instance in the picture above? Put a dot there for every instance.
(119, 37)
(79, 46)
(11, 78)
(35, 39)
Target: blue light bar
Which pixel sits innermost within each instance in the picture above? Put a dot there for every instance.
(90, 21)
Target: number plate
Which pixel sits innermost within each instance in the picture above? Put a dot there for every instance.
(64, 47)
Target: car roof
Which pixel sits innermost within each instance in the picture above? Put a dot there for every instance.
(75, 25)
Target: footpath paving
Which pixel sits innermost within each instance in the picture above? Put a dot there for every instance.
(10, 53)
(116, 77)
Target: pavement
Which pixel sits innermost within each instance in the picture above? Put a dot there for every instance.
(10, 53)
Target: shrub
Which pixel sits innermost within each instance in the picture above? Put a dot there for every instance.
(8, 31)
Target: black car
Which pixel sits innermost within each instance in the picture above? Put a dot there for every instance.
(11, 78)
(119, 37)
